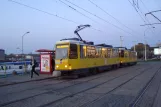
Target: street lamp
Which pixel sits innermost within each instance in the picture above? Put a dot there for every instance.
(145, 42)
(22, 47)
(22, 40)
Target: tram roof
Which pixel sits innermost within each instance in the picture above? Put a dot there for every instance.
(63, 41)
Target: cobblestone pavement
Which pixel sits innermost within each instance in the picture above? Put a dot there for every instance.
(133, 86)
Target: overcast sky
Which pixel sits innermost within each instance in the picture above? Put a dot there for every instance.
(45, 29)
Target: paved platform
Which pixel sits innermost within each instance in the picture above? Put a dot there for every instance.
(21, 78)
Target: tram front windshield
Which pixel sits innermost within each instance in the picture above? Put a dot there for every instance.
(61, 52)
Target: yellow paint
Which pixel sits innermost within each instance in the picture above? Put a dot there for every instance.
(70, 64)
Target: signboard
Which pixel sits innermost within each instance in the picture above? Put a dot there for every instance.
(45, 65)
(62, 46)
(157, 51)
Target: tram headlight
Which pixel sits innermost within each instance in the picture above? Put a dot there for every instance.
(66, 66)
(57, 66)
(70, 67)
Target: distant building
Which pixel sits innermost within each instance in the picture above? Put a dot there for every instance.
(19, 57)
(36, 57)
(2, 55)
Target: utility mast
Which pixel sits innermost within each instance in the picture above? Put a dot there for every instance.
(121, 40)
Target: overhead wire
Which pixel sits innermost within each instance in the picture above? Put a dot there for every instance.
(147, 10)
(81, 14)
(110, 15)
(143, 13)
(98, 17)
(137, 12)
(55, 15)
(146, 21)
(150, 25)
(77, 11)
(43, 11)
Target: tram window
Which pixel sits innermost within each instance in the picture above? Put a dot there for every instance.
(73, 54)
(108, 53)
(113, 53)
(97, 52)
(122, 53)
(104, 52)
(130, 54)
(81, 51)
(126, 54)
(100, 52)
(117, 53)
(91, 52)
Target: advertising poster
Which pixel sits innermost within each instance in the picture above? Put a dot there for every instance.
(45, 63)
(157, 51)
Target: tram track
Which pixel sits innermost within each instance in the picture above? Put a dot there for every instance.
(11, 102)
(28, 81)
(92, 77)
(86, 104)
(56, 101)
(91, 103)
(141, 93)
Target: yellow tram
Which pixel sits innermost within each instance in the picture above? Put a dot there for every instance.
(74, 56)
(127, 57)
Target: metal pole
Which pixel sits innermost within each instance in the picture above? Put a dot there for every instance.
(121, 40)
(145, 46)
(145, 42)
(145, 51)
(22, 49)
(5, 71)
(134, 46)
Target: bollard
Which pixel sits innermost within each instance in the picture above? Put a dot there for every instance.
(5, 71)
(25, 69)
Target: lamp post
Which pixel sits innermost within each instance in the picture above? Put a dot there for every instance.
(145, 42)
(22, 48)
(22, 40)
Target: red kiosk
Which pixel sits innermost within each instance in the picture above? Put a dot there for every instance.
(46, 61)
